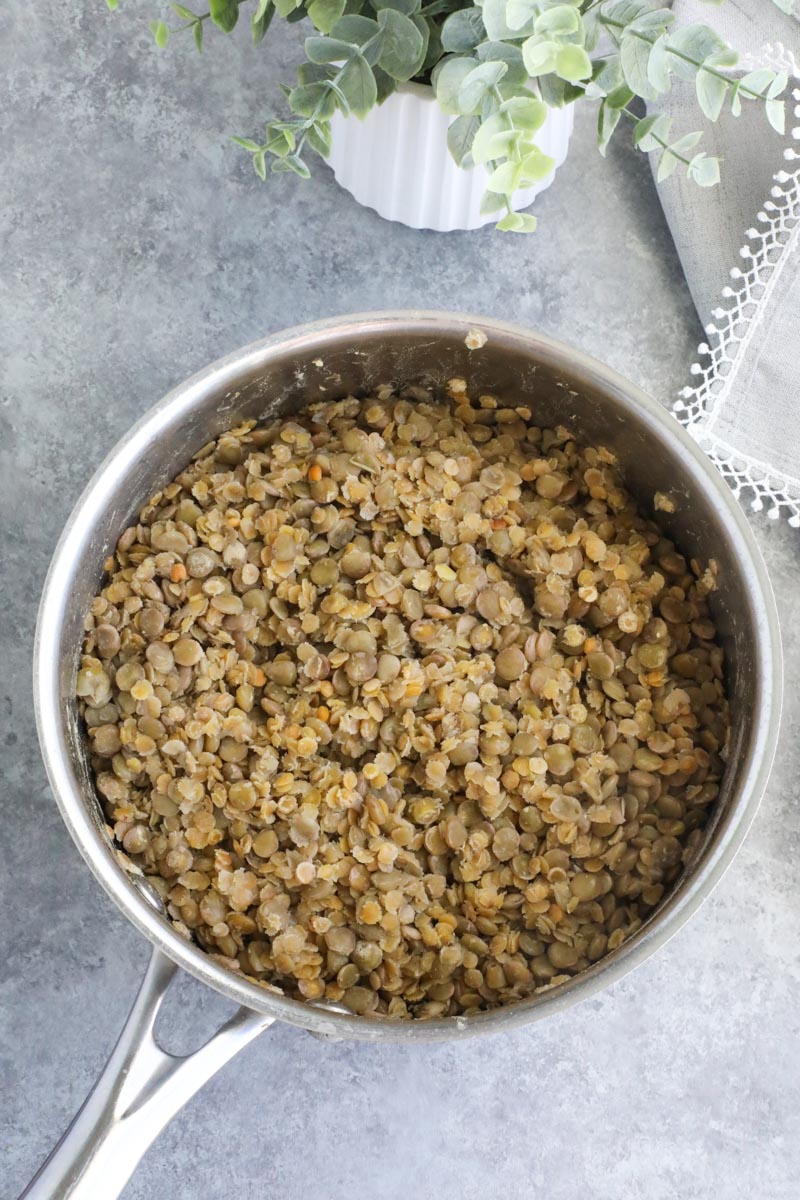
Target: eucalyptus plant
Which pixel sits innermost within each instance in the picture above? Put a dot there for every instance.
(496, 66)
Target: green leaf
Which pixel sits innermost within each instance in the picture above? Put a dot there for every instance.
(197, 33)
(447, 80)
(624, 12)
(776, 115)
(298, 166)
(539, 56)
(606, 75)
(607, 121)
(261, 20)
(536, 165)
(650, 132)
(327, 50)
(358, 85)
(517, 223)
(259, 165)
(501, 145)
(620, 97)
(553, 90)
(529, 223)
(224, 13)
(287, 7)
(573, 63)
(477, 83)
(325, 13)
(112, 4)
(560, 21)
(687, 142)
(778, 84)
(248, 144)
(384, 83)
(634, 56)
(401, 46)
(704, 170)
(460, 136)
(280, 140)
(573, 92)
(431, 51)
(494, 21)
(724, 59)
(318, 137)
(697, 42)
(463, 30)
(516, 77)
(520, 13)
(184, 12)
(408, 7)
(312, 100)
(659, 65)
(653, 22)
(505, 178)
(592, 29)
(500, 52)
(492, 139)
(711, 93)
(666, 165)
(309, 72)
(160, 33)
(355, 29)
(526, 112)
(491, 202)
(757, 81)
(292, 163)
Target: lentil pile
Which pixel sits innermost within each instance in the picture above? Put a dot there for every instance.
(402, 703)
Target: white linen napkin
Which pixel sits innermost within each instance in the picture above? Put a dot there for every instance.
(738, 244)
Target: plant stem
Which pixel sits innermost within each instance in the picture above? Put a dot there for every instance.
(198, 20)
(664, 145)
(633, 117)
(493, 164)
(684, 57)
(303, 127)
(310, 121)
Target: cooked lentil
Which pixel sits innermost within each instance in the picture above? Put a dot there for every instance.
(401, 703)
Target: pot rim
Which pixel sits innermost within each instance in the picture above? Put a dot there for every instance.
(423, 91)
(222, 376)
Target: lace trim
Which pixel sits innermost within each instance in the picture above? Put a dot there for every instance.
(768, 249)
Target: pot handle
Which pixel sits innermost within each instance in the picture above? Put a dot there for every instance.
(136, 1096)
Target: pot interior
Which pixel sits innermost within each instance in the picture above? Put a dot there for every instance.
(351, 356)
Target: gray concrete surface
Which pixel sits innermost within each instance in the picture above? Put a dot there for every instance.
(136, 245)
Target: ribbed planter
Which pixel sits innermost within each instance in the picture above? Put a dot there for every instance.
(396, 161)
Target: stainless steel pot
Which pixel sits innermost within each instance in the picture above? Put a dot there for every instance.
(142, 1087)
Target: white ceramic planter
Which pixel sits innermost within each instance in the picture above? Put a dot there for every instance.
(397, 162)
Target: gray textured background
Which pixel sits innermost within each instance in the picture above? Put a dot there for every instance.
(136, 245)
